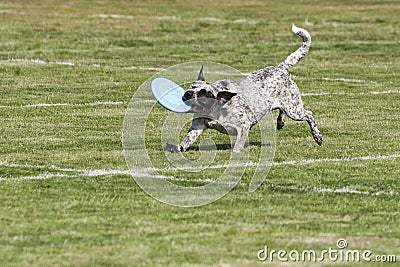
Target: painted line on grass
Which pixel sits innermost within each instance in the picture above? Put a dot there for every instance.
(68, 63)
(95, 173)
(344, 190)
(145, 173)
(284, 163)
(219, 166)
(39, 105)
(347, 80)
(318, 94)
(38, 61)
(76, 172)
(153, 101)
(175, 18)
(112, 16)
(141, 68)
(88, 173)
(44, 176)
(66, 104)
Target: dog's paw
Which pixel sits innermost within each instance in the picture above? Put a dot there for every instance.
(279, 125)
(237, 149)
(171, 148)
(318, 139)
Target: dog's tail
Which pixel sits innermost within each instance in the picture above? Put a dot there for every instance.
(296, 56)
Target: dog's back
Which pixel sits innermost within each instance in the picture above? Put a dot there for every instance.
(263, 87)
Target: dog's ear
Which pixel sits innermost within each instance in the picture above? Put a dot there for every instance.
(225, 96)
(201, 74)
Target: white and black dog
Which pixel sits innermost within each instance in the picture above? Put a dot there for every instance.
(233, 108)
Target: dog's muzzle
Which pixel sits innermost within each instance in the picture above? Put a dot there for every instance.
(188, 95)
(190, 99)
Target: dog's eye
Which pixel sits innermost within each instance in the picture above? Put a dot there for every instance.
(205, 93)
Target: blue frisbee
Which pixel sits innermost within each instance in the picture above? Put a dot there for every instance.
(169, 95)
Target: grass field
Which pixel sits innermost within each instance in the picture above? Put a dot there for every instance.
(68, 70)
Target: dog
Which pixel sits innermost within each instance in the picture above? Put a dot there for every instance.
(233, 108)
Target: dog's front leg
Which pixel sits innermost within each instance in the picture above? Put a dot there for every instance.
(194, 132)
(242, 134)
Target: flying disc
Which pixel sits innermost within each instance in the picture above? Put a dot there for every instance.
(169, 95)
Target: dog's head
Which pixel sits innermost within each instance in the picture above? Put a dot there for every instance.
(204, 96)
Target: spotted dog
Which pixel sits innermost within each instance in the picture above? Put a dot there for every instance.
(233, 108)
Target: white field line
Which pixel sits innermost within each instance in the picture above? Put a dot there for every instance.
(66, 104)
(246, 164)
(77, 172)
(317, 94)
(68, 63)
(166, 18)
(141, 68)
(153, 101)
(283, 163)
(89, 173)
(28, 166)
(94, 173)
(175, 18)
(38, 61)
(145, 172)
(360, 93)
(344, 190)
(38, 177)
(334, 79)
(113, 16)
(346, 80)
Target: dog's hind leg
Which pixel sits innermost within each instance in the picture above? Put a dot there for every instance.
(296, 111)
(313, 126)
(301, 114)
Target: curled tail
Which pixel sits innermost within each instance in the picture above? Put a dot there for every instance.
(296, 56)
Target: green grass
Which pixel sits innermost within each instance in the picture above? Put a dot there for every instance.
(106, 220)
